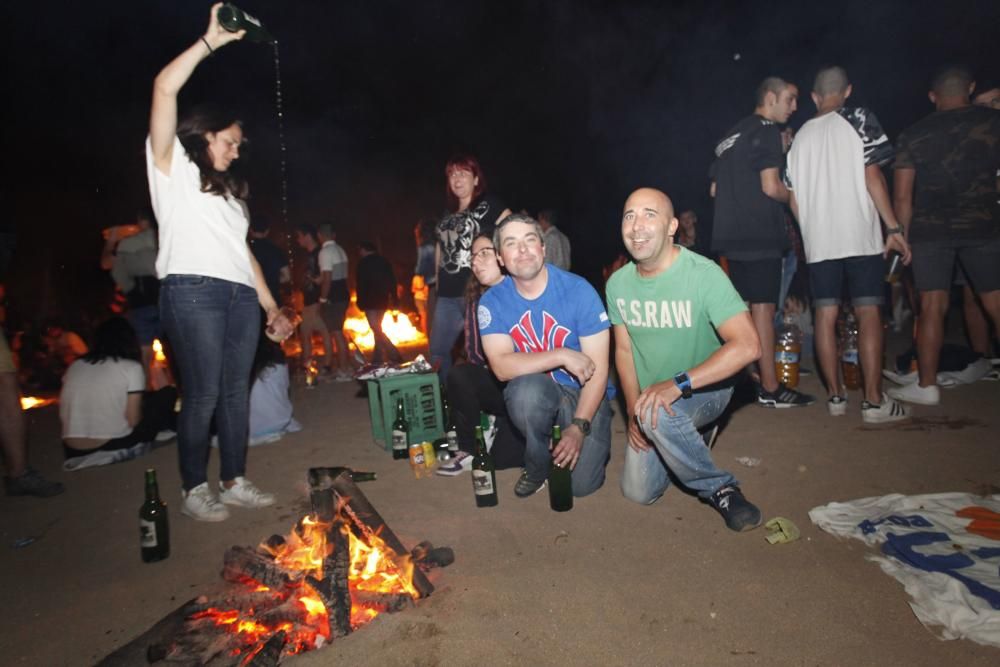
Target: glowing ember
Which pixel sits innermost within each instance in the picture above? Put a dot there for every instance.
(158, 351)
(373, 571)
(29, 402)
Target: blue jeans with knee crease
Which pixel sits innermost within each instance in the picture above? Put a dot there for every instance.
(535, 403)
(680, 447)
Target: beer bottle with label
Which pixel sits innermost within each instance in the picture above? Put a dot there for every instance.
(450, 431)
(154, 531)
(484, 476)
(560, 480)
(234, 19)
(400, 433)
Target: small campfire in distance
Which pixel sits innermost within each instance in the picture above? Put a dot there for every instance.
(29, 402)
(340, 567)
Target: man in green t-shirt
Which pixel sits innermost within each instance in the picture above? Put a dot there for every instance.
(669, 309)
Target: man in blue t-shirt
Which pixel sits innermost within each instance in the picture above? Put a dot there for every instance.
(545, 332)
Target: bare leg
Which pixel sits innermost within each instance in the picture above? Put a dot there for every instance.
(870, 350)
(976, 327)
(991, 304)
(12, 433)
(763, 319)
(342, 360)
(826, 349)
(930, 334)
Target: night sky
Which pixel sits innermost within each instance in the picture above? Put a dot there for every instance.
(569, 105)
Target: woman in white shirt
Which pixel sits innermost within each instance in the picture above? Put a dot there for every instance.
(103, 408)
(211, 284)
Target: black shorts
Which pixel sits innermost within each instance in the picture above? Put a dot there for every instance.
(933, 264)
(865, 277)
(758, 280)
(333, 314)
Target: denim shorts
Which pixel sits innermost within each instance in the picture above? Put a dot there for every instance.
(933, 264)
(146, 322)
(865, 277)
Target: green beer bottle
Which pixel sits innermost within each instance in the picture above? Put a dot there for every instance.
(400, 433)
(560, 480)
(154, 531)
(484, 476)
(450, 431)
(234, 19)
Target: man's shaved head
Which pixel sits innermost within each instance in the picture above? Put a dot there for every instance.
(651, 195)
(772, 84)
(952, 81)
(831, 81)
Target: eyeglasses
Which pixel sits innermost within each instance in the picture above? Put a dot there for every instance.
(484, 253)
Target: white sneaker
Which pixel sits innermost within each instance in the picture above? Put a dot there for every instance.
(971, 373)
(456, 465)
(245, 494)
(837, 406)
(888, 411)
(201, 505)
(900, 378)
(914, 393)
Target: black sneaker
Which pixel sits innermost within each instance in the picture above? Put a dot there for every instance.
(784, 397)
(526, 487)
(31, 483)
(740, 514)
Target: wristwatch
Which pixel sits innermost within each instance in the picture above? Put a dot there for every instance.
(582, 424)
(683, 383)
(889, 231)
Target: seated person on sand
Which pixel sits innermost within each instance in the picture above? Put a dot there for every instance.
(106, 417)
(270, 402)
(472, 387)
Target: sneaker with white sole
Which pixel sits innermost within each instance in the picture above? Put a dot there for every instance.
(900, 378)
(784, 397)
(201, 505)
(837, 406)
(888, 411)
(456, 465)
(739, 513)
(526, 486)
(244, 493)
(914, 393)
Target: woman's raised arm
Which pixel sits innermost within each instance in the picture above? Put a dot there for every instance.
(170, 80)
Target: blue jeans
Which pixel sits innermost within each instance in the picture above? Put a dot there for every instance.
(535, 404)
(678, 447)
(449, 321)
(213, 326)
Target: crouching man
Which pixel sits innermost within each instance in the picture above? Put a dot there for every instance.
(545, 332)
(669, 309)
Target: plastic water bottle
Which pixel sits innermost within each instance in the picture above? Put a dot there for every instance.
(787, 351)
(849, 366)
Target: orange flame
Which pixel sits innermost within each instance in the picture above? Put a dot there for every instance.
(373, 569)
(396, 325)
(158, 351)
(29, 402)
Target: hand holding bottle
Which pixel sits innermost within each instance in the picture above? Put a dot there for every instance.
(283, 325)
(216, 36)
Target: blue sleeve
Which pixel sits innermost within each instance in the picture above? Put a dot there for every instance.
(488, 314)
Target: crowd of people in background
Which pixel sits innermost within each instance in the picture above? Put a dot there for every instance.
(802, 229)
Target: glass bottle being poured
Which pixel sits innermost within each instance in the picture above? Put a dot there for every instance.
(234, 19)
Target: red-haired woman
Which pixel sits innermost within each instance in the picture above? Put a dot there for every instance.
(471, 212)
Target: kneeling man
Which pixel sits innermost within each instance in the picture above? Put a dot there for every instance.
(669, 309)
(545, 333)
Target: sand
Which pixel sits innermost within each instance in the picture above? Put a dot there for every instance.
(609, 583)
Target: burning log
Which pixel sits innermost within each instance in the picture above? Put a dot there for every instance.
(141, 649)
(242, 562)
(390, 602)
(334, 588)
(368, 522)
(270, 652)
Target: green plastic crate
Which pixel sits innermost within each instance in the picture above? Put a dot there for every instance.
(421, 396)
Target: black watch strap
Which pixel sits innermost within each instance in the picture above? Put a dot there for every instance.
(582, 424)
